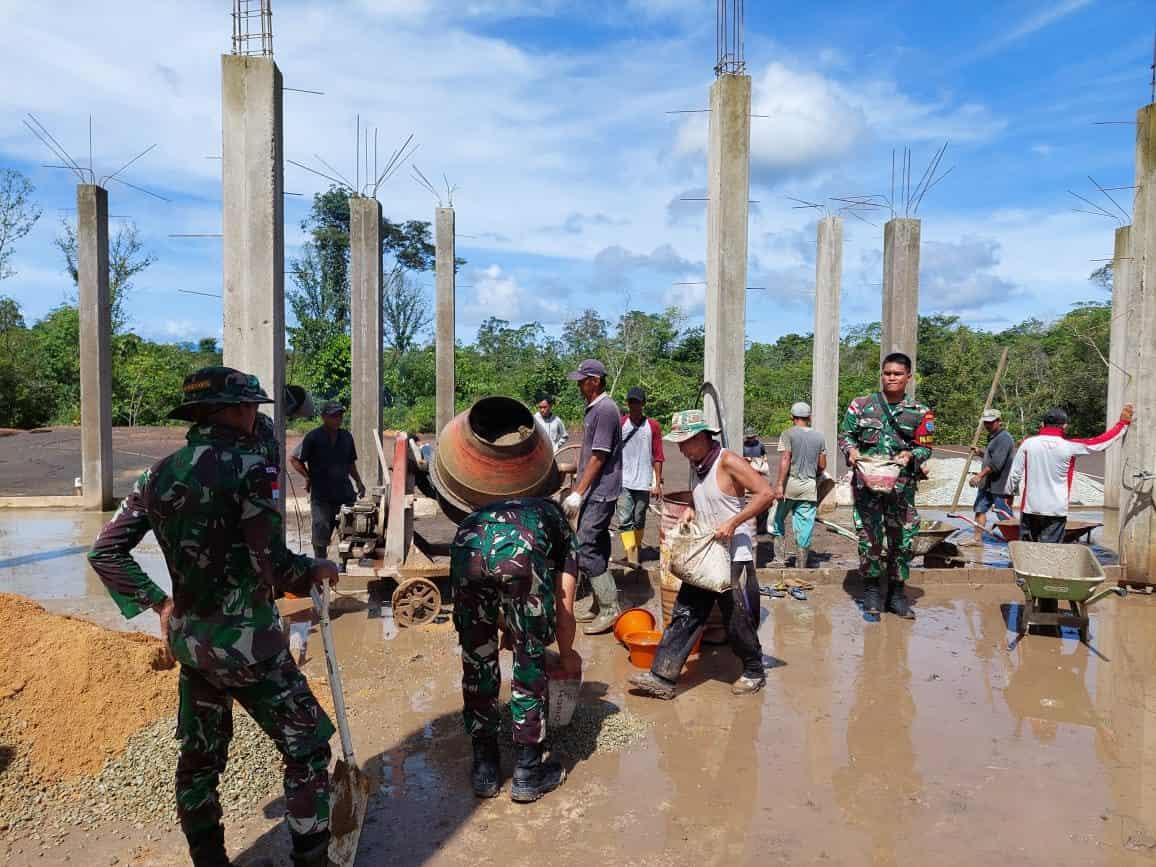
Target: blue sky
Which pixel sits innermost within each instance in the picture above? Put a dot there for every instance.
(551, 117)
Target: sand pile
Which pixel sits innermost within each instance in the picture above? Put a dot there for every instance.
(944, 476)
(71, 693)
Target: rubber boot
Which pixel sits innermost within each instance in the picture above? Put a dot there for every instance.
(897, 602)
(872, 598)
(486, 776)
(606, 591)
(630, 546)
(207, 848)
(310, 850)
(586, 609)
(321, 552)
(533, 777)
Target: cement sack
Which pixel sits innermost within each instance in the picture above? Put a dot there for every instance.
(698, 559)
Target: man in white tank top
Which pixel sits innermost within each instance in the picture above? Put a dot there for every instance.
(728, 495)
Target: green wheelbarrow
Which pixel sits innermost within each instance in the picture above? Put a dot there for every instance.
(1049, 573)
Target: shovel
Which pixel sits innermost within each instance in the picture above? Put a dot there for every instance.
(995, 535)
(838, 529)
(350, 785)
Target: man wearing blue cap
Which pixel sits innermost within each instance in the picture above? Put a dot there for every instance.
(594, 496)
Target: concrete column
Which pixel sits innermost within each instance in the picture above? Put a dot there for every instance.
(95, 349)
(253, 224)
(825, 353)
(728, 170)
(365, 283)
(445, 326)
(901, 290)
(1123, 304)
(1138, 507)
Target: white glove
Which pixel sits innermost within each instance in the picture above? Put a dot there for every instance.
(572, 505)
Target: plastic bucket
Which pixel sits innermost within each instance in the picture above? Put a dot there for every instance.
(632, 620)
(643, 646)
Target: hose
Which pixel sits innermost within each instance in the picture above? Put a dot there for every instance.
(708, 388)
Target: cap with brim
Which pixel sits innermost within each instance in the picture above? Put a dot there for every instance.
(218, 386)
(636, 393)
(800, 409)
(689, 423)
(588, 368)
(991, 415)
(332, 407)
(750, 433)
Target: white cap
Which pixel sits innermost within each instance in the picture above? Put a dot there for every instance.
(990, 415)
(800, 409)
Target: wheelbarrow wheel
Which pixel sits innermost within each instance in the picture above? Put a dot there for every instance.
(1022, 620)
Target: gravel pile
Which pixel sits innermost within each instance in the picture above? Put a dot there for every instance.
(135, 788)
(597, 727)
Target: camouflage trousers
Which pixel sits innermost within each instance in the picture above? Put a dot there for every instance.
(887, 525)
(276, 695)
(521, 589)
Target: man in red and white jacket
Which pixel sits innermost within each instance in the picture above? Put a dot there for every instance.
(1045, 465)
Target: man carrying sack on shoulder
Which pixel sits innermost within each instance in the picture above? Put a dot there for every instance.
(728, 494)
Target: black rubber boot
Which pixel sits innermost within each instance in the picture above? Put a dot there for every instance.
(897, 602)
(310, 850)
(872, 598)
(207, 848)
(486, 774)
(533, 777)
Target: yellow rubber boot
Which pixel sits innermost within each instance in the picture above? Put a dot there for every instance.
(630, 546)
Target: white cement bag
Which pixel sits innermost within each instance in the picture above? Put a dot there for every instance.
(698, 559)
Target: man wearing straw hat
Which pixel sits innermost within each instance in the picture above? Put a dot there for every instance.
(728, 494)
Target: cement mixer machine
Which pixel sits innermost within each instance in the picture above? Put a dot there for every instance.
(492, 451)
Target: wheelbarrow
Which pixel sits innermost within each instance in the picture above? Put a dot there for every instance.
(1060, 573)
(1010, 530)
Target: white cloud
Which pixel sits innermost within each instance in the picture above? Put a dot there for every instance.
(958, 277)
(497, 293)
(1050, 13)
(813, 120)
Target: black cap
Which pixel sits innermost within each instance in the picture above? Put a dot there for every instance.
(636, 393)
(332, 407)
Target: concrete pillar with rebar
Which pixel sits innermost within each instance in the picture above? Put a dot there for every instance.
(95, 346)
(728, 170)
(825, 351)
(365, 284)
(253, 222)
(1138, 503)
(1123, 305)
(901, 290)
(444, 346)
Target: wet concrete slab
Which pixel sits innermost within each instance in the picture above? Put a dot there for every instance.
(888, 743)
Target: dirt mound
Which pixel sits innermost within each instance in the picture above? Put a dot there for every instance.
(71, 693)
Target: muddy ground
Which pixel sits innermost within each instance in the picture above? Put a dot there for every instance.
(886, 743)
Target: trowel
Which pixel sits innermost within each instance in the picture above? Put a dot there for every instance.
(350, 785)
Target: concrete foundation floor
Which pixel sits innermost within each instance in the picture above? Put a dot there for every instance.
(887, 743)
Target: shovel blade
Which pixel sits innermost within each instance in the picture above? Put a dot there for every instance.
(350, 798)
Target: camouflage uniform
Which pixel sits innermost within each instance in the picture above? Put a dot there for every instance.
(504, 560)
(887, 521)
(212, 506)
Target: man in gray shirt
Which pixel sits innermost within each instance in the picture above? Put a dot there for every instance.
(555, 428)
(802, 456)
(991, 480)
(593, 498)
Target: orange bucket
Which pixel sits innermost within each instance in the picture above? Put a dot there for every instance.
(631, 621)
(642, 647)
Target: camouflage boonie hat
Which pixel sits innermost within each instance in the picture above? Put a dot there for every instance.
(687, 423)
(220, 386)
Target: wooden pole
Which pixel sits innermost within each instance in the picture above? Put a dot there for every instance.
(979, 429)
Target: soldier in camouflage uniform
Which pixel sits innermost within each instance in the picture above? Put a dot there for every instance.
(887, 424)
(516, 558)
(213, 508)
